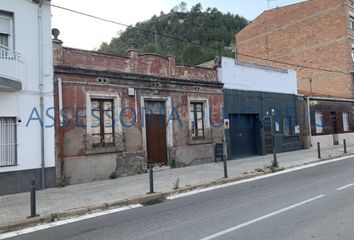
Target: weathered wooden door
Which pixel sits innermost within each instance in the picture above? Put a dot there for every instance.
(156, 136)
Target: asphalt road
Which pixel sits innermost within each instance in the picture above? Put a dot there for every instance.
(312, 203)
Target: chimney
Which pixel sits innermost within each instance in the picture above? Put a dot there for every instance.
(171, 63)
(57, 47)
(133, 55)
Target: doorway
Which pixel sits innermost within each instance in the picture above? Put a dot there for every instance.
(334, 128)
(155, 117)
(243, 134)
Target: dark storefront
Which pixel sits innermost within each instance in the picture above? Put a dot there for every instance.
(253, 116)
(331, 117)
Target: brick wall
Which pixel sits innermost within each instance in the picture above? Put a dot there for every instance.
(153, 78)
(149, 64)
(313, 33)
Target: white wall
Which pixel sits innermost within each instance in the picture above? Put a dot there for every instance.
(254, 77)
(327, 140)
(20, 104)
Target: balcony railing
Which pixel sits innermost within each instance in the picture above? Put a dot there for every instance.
(11, 65)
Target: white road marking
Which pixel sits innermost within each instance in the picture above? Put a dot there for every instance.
(344, 187)
(255, 178)
(63, 222)
(216, 235)
(66, 221)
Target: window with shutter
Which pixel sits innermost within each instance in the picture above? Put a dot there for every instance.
(6, 30)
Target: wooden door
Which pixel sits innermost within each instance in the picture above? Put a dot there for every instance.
(156, 138)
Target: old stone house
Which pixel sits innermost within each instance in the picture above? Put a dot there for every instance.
(316, 38)
(120, 114)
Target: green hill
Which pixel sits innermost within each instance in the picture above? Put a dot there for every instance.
(208, 27)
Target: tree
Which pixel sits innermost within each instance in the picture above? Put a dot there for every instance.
(196, 28)
(183, 7)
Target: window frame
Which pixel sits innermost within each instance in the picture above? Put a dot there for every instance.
(102, 111)
(320, 129)
(346, 127)
(11, 34)
(288, 124)
(12, 120)
(119, 143)
(195, 121)
(351, 22)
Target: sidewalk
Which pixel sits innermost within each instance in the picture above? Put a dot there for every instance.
(15, 208)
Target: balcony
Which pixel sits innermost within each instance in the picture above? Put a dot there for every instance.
(12, 70)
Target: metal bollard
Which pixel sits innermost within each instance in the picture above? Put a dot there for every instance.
(275, 159)
(319, 149)
(225, 167)
(345, 145)
(151, 178)
(33, 199)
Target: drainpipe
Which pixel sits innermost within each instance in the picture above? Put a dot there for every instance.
(41, 83)
(61, 132)
(309, 121)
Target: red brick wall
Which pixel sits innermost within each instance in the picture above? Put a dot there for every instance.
(74, 103)
(148, 64)
(76, 86)
(313, 33)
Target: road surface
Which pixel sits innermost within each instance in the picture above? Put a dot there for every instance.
(312, 203)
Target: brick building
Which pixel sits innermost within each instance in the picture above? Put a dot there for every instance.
(160, 113)
(318, 34)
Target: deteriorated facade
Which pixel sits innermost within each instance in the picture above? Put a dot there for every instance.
(120, 114)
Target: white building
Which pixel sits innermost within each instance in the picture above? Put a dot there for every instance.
(26, 94)
(255, 77)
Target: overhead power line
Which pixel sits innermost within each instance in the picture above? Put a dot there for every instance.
(154, 33)
(293, 64)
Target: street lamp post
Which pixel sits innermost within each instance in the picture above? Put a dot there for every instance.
(272, 123)
(275, 160)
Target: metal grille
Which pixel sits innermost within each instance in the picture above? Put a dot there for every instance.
(8, 141)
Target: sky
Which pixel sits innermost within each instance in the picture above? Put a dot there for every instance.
(86, 33)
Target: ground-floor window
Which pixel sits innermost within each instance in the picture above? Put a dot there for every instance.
(197, 118)
(319, 122)
(102, 122)
(288, 126)
(8, 141)
(346, 122)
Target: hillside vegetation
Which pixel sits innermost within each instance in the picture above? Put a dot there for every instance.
(208, 27)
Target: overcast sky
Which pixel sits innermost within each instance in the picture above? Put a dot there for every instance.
(82, 32)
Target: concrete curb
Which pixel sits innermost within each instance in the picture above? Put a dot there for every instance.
(143, 200)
